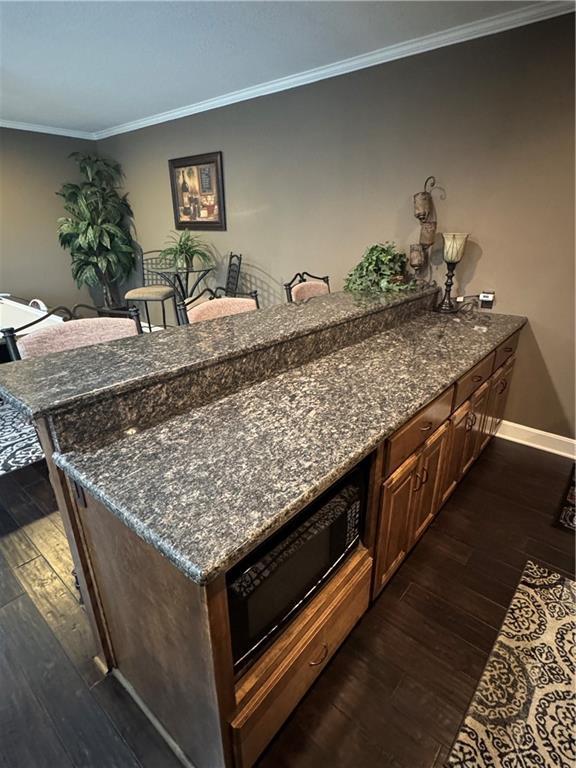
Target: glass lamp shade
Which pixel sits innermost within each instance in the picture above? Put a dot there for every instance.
(454, 244)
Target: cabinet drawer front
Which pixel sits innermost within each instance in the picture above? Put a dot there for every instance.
(506, 349)
(265, 713)
(418, 430)
(473, 379)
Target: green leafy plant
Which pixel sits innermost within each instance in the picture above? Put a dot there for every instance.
(382, 269)
(184, 249)
(98, 227)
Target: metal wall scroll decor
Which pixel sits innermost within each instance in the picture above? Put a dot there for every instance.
(425, 212)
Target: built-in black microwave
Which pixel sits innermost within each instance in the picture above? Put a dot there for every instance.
(270, 586)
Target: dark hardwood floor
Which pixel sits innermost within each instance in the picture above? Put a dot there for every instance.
(394, 695)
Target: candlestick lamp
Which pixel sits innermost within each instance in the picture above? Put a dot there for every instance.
(454, 244)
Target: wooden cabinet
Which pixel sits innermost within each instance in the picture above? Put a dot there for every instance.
(470, 382)
(410, 499)
(394, 525)
(411, 436)
(429, 477)
(498, 397)
(271, 689)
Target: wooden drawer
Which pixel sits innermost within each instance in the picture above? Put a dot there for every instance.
(506, 349)
(475, 377)
(407, 439)
(274, 686)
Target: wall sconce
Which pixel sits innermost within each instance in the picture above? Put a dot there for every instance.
(454, 244)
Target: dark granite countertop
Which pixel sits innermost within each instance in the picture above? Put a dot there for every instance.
(73, 377)
(207, 486)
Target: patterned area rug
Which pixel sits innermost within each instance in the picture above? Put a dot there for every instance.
(567, 512)
(19, 445)
(523, 713)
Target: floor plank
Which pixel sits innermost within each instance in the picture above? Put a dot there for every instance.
(40, 746)
(148, 746)
(63, 614)
(10, 587)
(90, 737)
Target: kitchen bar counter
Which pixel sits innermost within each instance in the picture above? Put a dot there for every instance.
(207, 486)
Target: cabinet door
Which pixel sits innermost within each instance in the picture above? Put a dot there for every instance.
(481, 417)
(460, 447)
(429, 478)
(500, 388)
(394, 525)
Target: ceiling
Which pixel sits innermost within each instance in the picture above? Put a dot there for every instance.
(94, 69)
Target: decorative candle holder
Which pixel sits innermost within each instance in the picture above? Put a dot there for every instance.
(454, 244)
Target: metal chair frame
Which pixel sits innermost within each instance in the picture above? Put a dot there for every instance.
(301, 277)
(9, 334)
(150, 278)
(183, 305)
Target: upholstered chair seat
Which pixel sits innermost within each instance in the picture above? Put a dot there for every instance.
(308, 289)
(74, 334)
(150, 293)
(208, 310)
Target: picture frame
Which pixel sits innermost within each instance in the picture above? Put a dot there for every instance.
(197, 185)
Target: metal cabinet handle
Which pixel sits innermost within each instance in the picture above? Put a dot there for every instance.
(427, 427)
(424, 475)
(419, 482)
(502, 387)
(477, 378)
(508, 349)
(322, 656)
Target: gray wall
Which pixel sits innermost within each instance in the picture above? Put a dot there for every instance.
(315, 174)
(32, 168)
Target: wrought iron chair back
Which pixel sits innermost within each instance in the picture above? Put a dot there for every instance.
(150, 263)
(184, 306)
(233, 274)
(10, 334)
(302, 277)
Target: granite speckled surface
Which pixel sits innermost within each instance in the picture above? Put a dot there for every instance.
(207, 486)
(71, 378)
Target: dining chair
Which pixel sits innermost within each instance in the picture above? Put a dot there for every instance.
(194, 311)
(153, 289)
(73, 333)
(305, 285)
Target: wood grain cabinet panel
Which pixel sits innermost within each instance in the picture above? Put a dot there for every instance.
(411, 436)
(506, 350)
(394, 528)
(275, 685)
(499, 396)
(472, 380)
(430, 474)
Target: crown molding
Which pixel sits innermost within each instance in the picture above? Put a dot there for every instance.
(537, 11)
(52, 130)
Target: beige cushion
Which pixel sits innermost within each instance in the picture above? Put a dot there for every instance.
(150, 293)
(307, 289)
(220, 308)
(75, 333)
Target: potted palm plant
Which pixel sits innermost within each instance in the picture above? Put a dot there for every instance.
(97, 229)
(183, 250)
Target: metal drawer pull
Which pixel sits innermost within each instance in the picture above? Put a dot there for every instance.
(322, 656)
(477, 378)
(427, 427)
(502, 388)
(508, 349)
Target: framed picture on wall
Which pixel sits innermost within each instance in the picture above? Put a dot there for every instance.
(198, 192)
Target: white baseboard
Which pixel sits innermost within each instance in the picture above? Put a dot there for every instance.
(536, 438)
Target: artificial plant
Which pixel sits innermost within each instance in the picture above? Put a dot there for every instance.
(184, 249)
(382, 269)
(98, 227)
